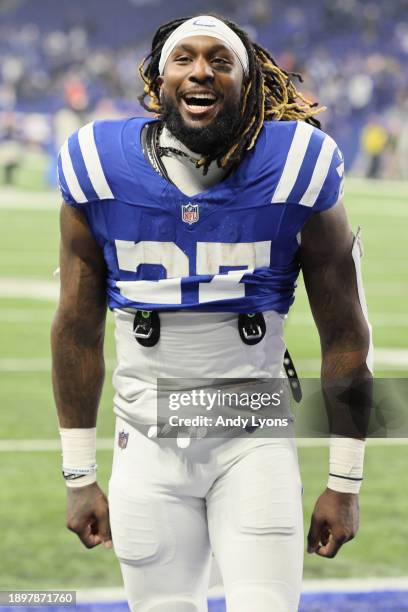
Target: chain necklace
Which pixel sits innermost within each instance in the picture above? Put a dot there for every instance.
(167, 151)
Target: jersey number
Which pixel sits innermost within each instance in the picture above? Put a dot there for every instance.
(211, 256)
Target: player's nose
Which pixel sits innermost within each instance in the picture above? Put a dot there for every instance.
(201, 70)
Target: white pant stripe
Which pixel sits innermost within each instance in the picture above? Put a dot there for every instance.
(92, 162)
(70, 176)
(294, 161)
(320, 172)
(357, 254)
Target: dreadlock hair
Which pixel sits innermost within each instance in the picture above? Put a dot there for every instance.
(269, 95)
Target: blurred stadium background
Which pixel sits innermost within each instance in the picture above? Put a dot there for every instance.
(67, 62)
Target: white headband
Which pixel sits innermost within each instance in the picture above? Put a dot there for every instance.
(205, 25)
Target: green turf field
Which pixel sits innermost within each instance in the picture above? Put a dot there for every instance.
(36, 550)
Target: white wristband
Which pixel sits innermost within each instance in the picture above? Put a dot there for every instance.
(79, 456)
(346, 464)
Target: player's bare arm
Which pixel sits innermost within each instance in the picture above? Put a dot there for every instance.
(331, 283)
(78, 365)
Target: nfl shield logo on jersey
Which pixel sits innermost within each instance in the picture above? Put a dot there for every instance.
(189, 213)
(123, 439)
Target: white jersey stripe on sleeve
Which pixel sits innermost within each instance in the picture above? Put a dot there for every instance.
(294, 161)
(320, 172)
(70, 176)
(92, 161)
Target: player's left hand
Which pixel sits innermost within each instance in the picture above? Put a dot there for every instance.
(334, 521)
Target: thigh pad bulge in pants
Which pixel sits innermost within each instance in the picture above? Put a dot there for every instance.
(266, 503)
(140, 533)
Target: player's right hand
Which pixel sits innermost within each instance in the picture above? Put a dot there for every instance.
(88, 515)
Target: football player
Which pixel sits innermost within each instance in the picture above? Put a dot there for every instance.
(192, 226)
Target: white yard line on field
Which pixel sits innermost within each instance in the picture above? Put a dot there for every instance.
(106, 444)
(29, 288)
(13, 199)
(384, 358)
(36, 364)
(390, 288)
(389, 214)
(49, 289)
(46, 445)
(390, 189)
(43, 314)
(320, 442)
(298, 319)
(391, 357)
(391, 319)
(26, 315)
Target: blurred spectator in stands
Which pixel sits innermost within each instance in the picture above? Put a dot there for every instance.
(67, 120)
(11, 150)
(106, 109)
(401, 149)
(77, 55)
(374, 140)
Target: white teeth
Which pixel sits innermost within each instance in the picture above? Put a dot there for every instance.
(201, 96)
(199, 102)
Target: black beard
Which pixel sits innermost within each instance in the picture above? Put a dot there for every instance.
(208, 140)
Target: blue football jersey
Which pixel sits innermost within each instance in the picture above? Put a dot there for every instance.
(232, 248)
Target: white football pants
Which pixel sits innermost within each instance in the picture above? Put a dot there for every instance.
(171, 507)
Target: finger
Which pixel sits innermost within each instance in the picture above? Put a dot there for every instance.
(88, 537)
(325, 535)
(313, 537)
(332, 547)
(102, 527)
(104, 531)
(92, 540)
(95, 540)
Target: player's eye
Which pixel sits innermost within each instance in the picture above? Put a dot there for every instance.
(221, 62)
(183, 59)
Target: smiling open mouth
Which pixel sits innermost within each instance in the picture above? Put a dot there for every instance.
(197, 103)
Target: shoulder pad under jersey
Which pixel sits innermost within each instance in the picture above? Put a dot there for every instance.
(311, 166)
(88, 162)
